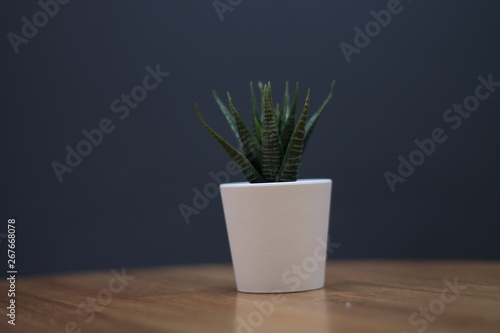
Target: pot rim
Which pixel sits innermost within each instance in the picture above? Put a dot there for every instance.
(279, 184)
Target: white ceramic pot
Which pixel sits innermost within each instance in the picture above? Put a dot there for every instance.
(278, 234)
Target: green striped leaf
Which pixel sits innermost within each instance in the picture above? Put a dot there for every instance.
(249, 171)
(289, 126)
(272, 152)
(255, 108)
(285, 108)
(261, 90)
(293, 156)
(312, 121)
(250, 144)
(277, 116)
(229, 117)
(258, 130)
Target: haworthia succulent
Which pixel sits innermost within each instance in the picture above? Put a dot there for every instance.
(273, 151)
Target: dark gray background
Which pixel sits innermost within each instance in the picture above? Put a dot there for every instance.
(120, 206)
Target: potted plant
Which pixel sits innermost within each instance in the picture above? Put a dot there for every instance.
(277, 225)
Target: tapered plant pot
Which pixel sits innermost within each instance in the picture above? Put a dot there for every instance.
(278, 234)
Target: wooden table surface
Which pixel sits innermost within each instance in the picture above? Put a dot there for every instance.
(359, 296)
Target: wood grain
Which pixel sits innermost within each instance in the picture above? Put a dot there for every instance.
(359, 296)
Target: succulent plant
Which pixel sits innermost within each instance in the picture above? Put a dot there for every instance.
(272, 151)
